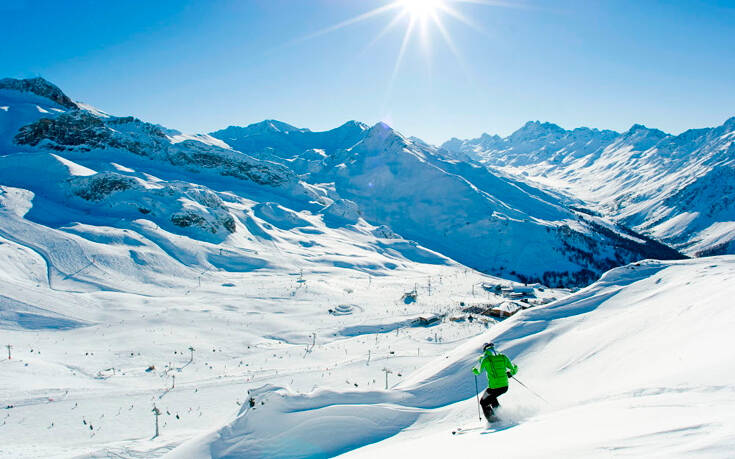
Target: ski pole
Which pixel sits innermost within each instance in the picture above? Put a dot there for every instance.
(529, 389)
(477, 395)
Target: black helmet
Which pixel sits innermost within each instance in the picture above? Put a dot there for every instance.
(487, 346)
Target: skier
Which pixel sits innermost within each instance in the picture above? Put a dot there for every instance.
(498, 368)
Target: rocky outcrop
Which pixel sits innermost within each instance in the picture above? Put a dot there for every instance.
(40, 87)
(66, 131)
(343, 209)
(81, 131)
(232, 165)
(177, 205)
(101, 186)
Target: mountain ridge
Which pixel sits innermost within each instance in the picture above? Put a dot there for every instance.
(631, 176)
(407, 184)
(353, 177)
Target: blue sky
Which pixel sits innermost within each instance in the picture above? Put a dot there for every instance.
(198, 66)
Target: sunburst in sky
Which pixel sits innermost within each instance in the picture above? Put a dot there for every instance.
(421, 18)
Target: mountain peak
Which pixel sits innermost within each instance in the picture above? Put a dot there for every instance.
(355, 124)
(40, 87)
(640, 129)
(537, 129)
(489, 137)
(383, 130)
(273, 126)
(381, 136)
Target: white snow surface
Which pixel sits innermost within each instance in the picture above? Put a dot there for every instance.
(92, 109)
(88, 308)
(637, 364)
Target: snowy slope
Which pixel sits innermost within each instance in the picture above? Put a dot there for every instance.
(636, 364)
(674, 188)
(488, 221)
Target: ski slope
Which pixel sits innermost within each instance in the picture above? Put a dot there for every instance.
(124, 244)
(639, 364)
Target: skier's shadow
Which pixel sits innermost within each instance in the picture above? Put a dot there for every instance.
(498, 429)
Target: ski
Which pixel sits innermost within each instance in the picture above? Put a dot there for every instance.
(464, 430)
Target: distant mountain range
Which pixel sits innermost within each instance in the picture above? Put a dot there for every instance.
(677, 189)
(492, 222)
(544, 204)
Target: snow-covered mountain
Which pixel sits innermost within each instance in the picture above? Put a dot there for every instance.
(677, 189)
(485, 220)
(279, 140)
(183, 203)
(126, 173)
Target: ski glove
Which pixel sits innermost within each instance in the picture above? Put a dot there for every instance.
(510, 375)
(475, 370)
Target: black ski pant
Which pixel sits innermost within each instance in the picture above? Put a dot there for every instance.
(489, 400)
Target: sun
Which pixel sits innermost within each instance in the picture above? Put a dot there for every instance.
(421, 9)
(420, 18)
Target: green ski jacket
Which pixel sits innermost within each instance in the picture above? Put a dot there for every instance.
(495, 365)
